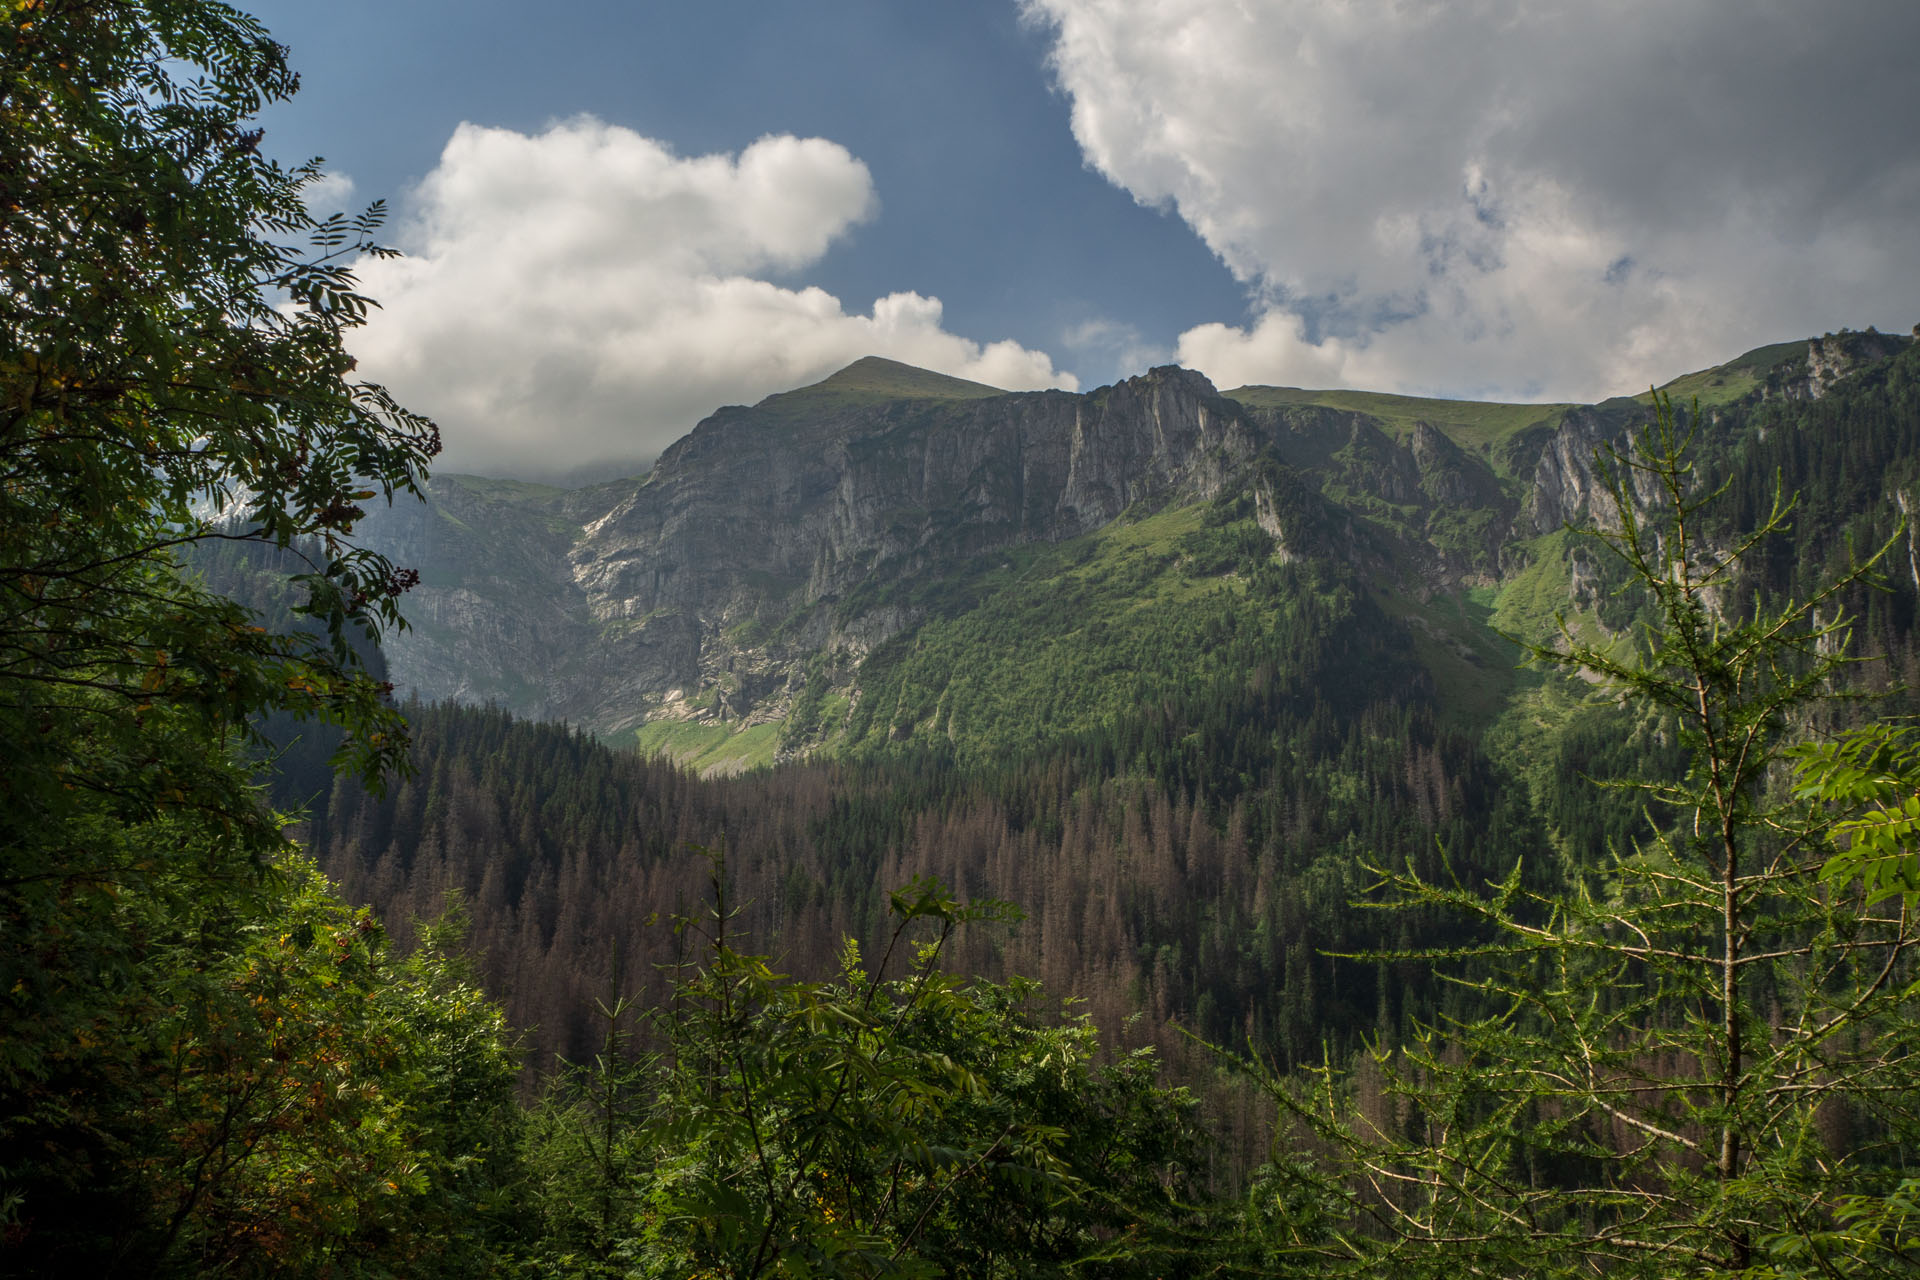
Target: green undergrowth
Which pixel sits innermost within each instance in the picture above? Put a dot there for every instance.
(1530, 602)
(1476, 671)
(708, 747)
(1183, 604)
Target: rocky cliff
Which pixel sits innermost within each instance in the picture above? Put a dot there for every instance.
(775, 536)
(699, 589)
(767, 515)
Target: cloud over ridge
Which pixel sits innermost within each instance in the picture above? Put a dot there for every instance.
(1512, 197)
(585, 294)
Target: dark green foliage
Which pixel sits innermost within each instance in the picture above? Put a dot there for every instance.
(144, 374)
(1601, 757)
(207, 1065)
(803, 724)
(1184, 862)
(149, 378)
(917, 1124)
(1188, 609)
(258, 1090)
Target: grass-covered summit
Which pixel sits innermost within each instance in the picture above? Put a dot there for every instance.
(871, 380)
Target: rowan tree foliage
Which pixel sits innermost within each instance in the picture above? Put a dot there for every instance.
(1698, 1058)
(172, 371)
(319, 1107)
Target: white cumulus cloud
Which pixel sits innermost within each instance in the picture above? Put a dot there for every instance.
(586, 294)
(327, 193)
(1530, 198)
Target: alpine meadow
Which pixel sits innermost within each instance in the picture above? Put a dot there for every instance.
(906, 828)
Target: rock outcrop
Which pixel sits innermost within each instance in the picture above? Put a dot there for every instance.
(756, 504)
(1567, 488)
(497, 616)
(1833, 357)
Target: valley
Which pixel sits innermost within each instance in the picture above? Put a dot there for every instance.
(1172, 707)
(907, 827)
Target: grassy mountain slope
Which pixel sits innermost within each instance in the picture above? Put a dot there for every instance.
(1478, 424)
(872, 380)
(1469, 423)
(1737, 378)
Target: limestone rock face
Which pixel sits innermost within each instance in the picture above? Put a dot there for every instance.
(1834, 357)
(495, 601)
(1566, 486)
(1373, 462)
(743, 553)
(756, 504)
(1449, 475)
(1423, 485)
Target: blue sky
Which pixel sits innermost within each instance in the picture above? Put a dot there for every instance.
(1530, 200)
(985, 201)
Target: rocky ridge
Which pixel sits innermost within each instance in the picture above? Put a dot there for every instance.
(759, 542)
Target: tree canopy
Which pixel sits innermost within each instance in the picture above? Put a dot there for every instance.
(173, 371)
(193, 1025)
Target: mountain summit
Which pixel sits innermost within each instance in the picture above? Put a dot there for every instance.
(889, 379)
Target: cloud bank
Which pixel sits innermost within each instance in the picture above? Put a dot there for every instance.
(586, 295)
(1526, 198)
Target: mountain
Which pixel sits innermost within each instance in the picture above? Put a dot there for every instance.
(787, 567)
(1167, 669)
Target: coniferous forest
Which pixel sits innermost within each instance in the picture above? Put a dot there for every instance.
(1165, 903)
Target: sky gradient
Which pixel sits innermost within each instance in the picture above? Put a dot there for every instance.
(621, 215)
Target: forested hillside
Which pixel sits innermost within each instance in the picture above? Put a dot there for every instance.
(1173, 749)
(1104, 835)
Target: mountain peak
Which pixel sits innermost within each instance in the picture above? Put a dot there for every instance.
(877, 376)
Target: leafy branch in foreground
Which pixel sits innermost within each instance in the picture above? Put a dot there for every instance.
(173, 373)
(874, 1125)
